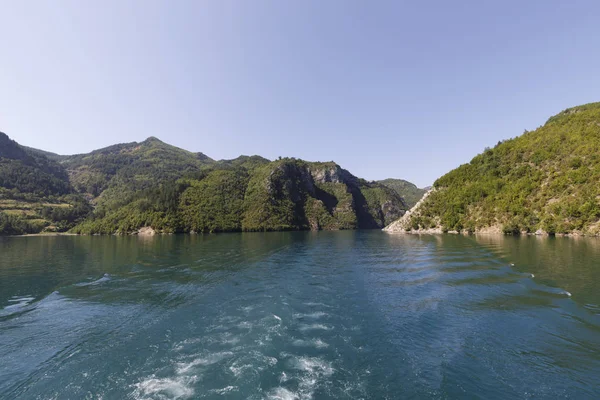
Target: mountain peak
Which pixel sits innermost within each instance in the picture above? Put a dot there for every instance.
(152, 139)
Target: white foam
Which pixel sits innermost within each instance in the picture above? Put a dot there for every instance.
(280, 393)
(313, 327)
(238, 370)
(210, 359)
(313, 365)
(165, 388)
(311, 304)
(245, 325)
(310, 371)
(105, 278)
(229, 319)
(24, 299)
(232, 341)
(314, 315)
(316, 343)
(283, 377)
(225, 390)
(17, 304)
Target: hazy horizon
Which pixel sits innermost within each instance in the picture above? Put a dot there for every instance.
(391, 89)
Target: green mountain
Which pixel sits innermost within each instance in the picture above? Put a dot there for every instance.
(25, 171)
(407, 190)
(153, 184)
(35, 192)
(286, 194)
(130, 167)
(544, 180)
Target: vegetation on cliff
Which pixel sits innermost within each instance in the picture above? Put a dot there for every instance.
(287, 194)
(546, 179)
(35, 192)
(122, 188)
(409, 191)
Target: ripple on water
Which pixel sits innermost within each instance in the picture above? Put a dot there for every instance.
(209, 359)
(309, 373)
(281, 393)
(313, 304)
(181, 387)
(314, 327)
(313, 315)
(103, 279)
(225, 390)
(316, 343)
(16, 304)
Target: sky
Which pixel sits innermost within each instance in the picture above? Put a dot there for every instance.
(403, 89)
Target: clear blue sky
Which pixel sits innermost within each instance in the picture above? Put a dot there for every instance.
(407, 89)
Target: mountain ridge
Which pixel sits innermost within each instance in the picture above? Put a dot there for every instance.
(408, 190)
(155, 184)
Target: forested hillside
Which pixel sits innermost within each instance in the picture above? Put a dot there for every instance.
(546, 180)
(287, 194)
(409, 191)
(122, 188)
(131, 166)
(35, 192)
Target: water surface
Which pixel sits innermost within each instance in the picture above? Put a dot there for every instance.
(299, 316)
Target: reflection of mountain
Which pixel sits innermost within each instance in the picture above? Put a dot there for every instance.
(566, 263)
(156, 270)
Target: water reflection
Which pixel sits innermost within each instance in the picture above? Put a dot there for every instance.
(299, 315)
(569, 263)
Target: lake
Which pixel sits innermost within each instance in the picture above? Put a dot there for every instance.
(302, 315)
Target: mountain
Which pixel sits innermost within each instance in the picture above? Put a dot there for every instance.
(25, 171)
(153, 184)
(407, 190)
(35, 192)
(130, 166)
(286, 194)
(543, 181)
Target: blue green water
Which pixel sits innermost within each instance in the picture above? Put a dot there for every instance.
(328, 315)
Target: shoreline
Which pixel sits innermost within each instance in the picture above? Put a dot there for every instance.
(487, 233)
(431, 232)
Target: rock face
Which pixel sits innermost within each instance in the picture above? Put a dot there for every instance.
(407, 190)
(403, 225)
(294, 194)
(146, 231)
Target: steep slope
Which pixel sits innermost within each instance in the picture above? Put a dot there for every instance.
(29, 172)
(295, 194)
(407, 190)
(35, 193)
(545, 180)
(287, 194)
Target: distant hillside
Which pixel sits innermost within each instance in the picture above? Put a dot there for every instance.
(25, 171)
(254, 195)
(131, 166)
(546, 180)
(407, 190)
(35, 192)
(244, 162)
(153, 184)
